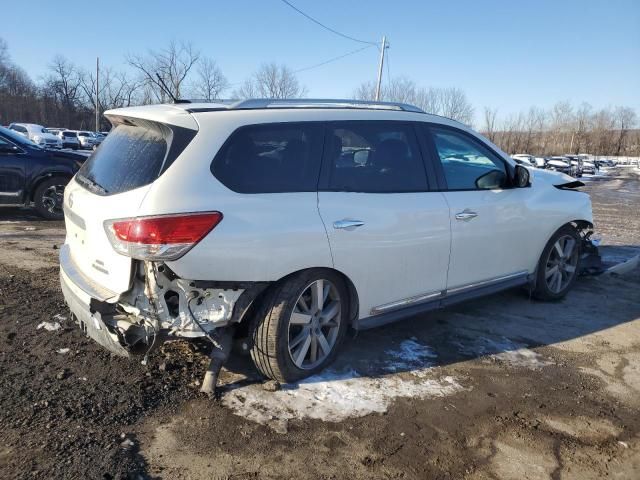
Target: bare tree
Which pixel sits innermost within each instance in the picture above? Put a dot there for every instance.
(625, 119)
(211, 81)
(272, 81)
(450, 102)
(489, 128)
(173, 64)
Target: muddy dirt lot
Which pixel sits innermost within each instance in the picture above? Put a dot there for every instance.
(502, 387)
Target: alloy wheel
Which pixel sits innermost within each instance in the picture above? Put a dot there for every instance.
(561, 263)
(52, 199)
(314, 324)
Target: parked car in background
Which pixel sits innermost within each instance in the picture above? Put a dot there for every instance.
(98, 138)
(37, 134)
(576, 165)
(86, 139)
(32, 175)
(588, 167)
(525, 159)
(559, 164)
(540, 162)
(69, 139)
(284, 223)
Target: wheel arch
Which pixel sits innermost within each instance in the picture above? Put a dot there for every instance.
(248, 316)
(43, 178)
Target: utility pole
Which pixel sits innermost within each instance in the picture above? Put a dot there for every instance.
(97, 92)
(384, 46)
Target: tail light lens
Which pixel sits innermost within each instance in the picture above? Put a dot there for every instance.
(160, 238)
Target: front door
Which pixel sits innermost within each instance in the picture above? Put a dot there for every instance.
(490, 221)
(388, 233)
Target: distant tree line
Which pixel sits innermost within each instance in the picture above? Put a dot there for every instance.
(66, 97)
(565, 129)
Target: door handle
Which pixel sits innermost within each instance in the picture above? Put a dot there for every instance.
(347, 224)
(466, 215)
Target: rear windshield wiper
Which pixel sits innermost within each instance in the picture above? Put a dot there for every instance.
(92, 184)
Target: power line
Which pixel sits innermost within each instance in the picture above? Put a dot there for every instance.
(325, 27)
(332, 59)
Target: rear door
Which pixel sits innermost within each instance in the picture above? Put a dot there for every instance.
(388, 233)
(490, 221)
(112, 184)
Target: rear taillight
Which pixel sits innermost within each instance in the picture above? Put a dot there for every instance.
(164, 237)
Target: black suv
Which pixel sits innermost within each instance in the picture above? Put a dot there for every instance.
(30, 174)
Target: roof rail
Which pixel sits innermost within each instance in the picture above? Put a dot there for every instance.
(259, 103)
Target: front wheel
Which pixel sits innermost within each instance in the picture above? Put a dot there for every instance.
(558, 265)
(48, 198)
(300, 326)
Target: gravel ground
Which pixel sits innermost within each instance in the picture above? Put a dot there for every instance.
(502, 387)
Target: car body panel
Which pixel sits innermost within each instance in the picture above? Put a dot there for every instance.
(404, 236)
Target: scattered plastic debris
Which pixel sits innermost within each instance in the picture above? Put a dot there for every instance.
(49, 326)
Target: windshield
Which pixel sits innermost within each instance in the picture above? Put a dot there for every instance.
(69, 134)
(17, 138)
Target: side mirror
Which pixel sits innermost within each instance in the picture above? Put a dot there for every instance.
(522, 177)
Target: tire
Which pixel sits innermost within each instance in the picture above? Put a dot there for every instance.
(48, 198)
(554, 277)
(276, 341)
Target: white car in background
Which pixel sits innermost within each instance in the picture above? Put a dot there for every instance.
(86, 139)
(525, 159)
(37, 134)
(284, 223)
(588, 167)
(69, 139)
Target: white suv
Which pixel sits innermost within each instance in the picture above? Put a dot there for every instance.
(37, 134)
(283, 223)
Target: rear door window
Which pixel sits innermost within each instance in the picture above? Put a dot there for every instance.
(270, 158)
(129, 158)
(373, 157)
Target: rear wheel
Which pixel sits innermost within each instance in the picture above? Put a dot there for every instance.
(48, 198)
(300, 326)
(559, 265)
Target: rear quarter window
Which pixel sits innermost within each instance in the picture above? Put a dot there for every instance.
(271, 158)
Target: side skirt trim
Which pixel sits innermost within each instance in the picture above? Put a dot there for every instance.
(451, 297)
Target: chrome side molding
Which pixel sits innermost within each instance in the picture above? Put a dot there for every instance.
(406, 302)
(431, 296)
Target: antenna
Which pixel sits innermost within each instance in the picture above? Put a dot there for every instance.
(166, 89)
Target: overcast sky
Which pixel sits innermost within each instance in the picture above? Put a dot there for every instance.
(505, 54)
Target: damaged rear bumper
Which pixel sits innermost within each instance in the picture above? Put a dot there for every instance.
(159, 305)
(90, 323)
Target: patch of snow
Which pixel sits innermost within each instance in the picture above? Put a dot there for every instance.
(63, 350)
(412, 357)
(59, 317)
(49, 326)
(336, 395)
(503, 350)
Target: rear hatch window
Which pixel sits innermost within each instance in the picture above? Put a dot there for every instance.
(132, 156)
